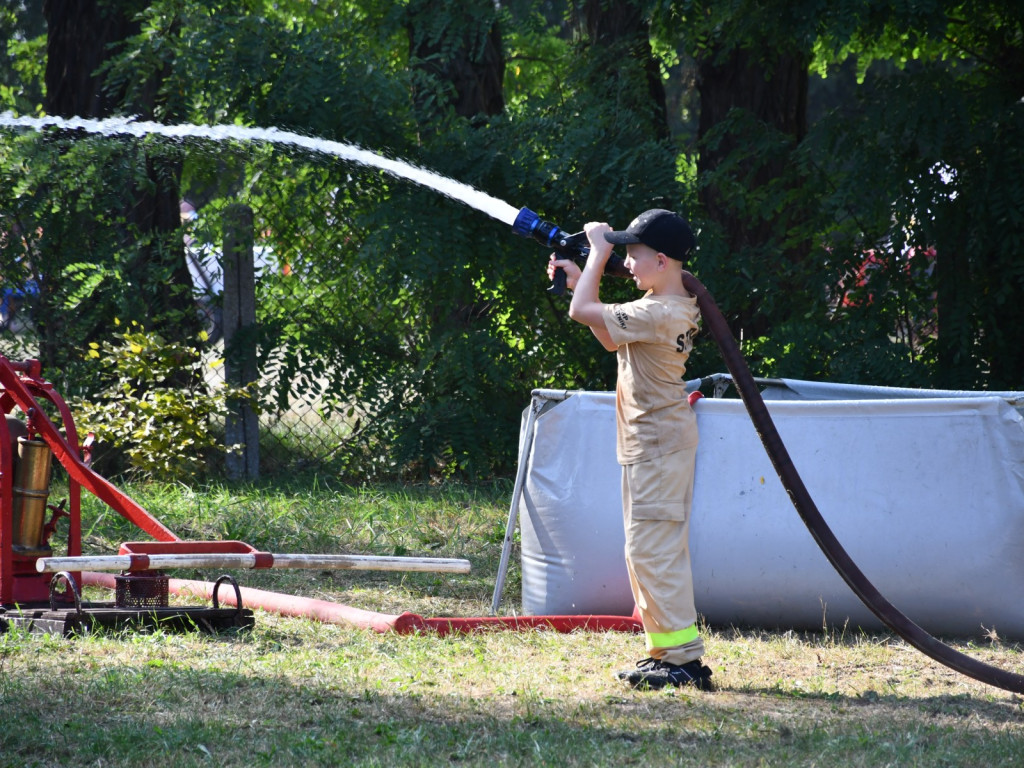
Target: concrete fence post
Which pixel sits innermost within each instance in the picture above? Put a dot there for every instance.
(240, 369)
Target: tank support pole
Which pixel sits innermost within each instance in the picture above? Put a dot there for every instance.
(536, 403)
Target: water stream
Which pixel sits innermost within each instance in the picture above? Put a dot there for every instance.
(128, 126)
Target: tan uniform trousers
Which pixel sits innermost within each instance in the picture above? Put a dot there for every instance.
(656, 500)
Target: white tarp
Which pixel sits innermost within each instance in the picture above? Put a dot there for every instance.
(796, 389)
(926, 495)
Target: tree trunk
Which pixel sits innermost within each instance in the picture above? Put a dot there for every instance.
(619, 27)
(468, 56)
(79, 37)
(82, 35)
(774, 94)
(956, 326)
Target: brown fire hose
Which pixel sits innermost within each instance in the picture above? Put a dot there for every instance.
(805, 506)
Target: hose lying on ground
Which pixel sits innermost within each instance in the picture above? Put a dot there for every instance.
(805, 506)
(402, 623)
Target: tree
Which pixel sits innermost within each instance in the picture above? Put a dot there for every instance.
(793, 209)
(457, 47)
(23, 26)
(84, 39)
(929, 159)
(752, 62)
(622, 32)
(815, 235)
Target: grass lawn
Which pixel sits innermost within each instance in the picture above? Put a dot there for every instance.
(296, 692)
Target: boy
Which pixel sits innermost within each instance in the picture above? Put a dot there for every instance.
(656, 431)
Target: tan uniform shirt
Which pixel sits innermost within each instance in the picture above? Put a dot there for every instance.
(654, 335)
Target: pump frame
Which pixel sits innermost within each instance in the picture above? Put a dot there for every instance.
(22, 386)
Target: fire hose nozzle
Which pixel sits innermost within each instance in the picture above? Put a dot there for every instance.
(529, 224)
(526, 221)
(575, 247)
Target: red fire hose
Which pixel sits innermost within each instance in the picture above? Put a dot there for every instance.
(403, 623)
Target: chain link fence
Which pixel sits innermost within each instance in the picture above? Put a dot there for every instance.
(292, 335)
(368, 361)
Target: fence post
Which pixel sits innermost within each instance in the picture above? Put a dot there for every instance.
(240, 369)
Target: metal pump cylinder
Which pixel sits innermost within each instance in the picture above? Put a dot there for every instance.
(31, 490)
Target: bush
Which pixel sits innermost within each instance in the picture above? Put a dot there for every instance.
(155, 415)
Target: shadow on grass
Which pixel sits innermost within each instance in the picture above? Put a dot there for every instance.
(161, 712)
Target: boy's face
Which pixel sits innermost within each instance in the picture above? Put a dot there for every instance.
(644, 264)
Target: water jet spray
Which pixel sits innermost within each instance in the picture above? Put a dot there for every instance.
(129, 126)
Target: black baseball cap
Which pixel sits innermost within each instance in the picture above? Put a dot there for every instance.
(664, 231)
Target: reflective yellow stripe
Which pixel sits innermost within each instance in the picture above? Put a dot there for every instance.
(672, 639)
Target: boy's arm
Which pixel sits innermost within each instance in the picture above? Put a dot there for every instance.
(603, 336)
(586, 306)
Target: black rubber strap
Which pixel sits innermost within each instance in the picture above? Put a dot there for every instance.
(852, 575)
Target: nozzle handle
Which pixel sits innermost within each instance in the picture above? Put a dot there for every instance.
(557, 287)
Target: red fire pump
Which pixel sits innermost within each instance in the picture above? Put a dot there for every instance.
(33, 596)
(39, 589)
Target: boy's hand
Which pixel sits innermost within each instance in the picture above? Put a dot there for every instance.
(600, 249)
(572, 270)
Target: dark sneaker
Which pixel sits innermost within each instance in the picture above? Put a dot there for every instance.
(651, 674)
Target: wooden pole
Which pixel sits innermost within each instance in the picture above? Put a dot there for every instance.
(140, 562)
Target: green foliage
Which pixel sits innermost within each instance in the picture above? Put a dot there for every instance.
(422, 322)
(327, 69)
(69, 229)
(23, 56)
(908, 165)
(916, 166)
(155, 409)
(417, 319)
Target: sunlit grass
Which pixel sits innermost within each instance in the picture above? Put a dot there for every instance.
(296, 692)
